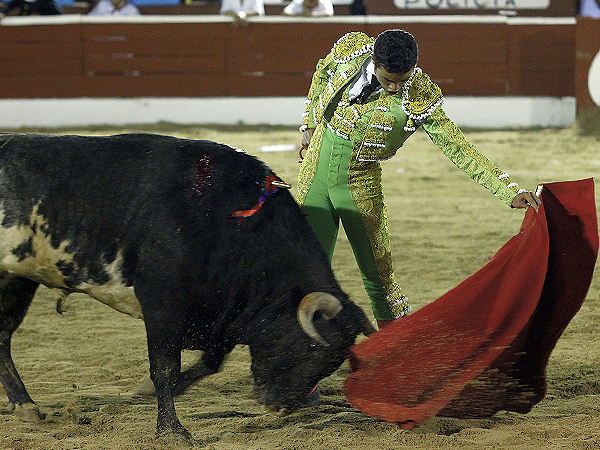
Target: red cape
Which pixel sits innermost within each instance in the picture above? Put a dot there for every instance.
(483, 347)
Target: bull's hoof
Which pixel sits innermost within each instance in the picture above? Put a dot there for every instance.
(27, 412)
(145, 388)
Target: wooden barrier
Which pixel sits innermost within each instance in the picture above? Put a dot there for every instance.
(196, 58)
(588, 46)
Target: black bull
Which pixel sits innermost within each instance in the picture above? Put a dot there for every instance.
(196, 238)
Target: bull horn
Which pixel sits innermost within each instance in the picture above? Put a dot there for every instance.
(327, 304)
(280, 184)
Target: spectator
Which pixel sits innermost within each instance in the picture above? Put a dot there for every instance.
(31, 8)
(358, 8)
(240, 9)
(589, 8)
(114, 8)
(312, 8)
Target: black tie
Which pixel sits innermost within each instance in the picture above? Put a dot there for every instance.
(368, 90)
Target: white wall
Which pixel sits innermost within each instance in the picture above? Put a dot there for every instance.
(480, 112)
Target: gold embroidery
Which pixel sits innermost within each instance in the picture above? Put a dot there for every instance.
(398, 302)
(420, 97)
(343, 121)
(375, 142)
(334, 72)
(367, 196)
(350, 46)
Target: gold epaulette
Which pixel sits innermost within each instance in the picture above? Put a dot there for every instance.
(350, 46)
(420, 97)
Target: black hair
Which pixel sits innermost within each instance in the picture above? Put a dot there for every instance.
(396, 51)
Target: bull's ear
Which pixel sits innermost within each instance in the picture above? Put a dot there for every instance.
(327, 304)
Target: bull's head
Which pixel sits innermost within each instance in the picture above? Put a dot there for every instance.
(295, 353)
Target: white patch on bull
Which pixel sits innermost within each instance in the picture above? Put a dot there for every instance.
(114, 292)
(41, 266)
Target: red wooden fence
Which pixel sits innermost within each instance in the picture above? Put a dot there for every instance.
(272, 58)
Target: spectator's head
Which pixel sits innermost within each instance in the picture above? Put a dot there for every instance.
(310, 4)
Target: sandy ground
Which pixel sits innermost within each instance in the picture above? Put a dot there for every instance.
(80, 366)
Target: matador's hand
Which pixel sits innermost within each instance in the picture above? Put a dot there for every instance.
(525, 200)
(306, 137)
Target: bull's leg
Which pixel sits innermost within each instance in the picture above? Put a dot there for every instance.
(205, 366)
(164, 351)
(15, 297)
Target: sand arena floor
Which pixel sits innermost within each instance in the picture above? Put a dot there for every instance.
(79, 366)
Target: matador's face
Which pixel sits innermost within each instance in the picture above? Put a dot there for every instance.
(392, 83)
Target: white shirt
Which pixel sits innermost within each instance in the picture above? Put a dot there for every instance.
(367, 72)
(296, 8)
(589, 8)
(106, 8)
(250, 7)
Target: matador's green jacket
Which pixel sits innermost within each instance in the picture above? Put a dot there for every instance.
(378, 128)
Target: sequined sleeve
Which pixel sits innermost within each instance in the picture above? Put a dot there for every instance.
(448, 137)
(349, 50)
(319, 81)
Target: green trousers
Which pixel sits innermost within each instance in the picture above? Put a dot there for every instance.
(328, 202)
